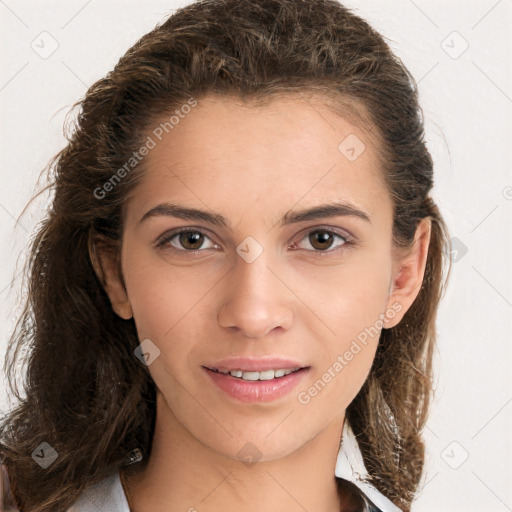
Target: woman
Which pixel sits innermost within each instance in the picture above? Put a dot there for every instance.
(234, 293)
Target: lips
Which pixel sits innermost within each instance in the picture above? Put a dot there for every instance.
(251, 364)
(247, 391)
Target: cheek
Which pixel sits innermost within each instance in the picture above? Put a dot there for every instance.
(348, 297)
(165, 298)
(348, 354)
(351, 304)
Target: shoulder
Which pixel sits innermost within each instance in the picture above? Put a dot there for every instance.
(105, 496)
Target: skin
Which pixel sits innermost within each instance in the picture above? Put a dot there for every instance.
(307, 301)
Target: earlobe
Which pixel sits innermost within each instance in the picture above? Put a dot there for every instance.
(105, 264)
(408, 273)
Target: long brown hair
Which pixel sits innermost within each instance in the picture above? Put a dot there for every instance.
(87, 396)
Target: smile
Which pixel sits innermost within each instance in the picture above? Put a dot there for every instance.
(257, 375)
(252, 386)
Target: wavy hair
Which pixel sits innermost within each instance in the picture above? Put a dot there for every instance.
(87, 396)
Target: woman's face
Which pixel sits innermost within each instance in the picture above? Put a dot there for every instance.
(265, 281)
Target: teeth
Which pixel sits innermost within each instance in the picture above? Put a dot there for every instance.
(263, 375)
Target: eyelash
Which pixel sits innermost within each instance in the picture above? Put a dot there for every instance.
(163, 241)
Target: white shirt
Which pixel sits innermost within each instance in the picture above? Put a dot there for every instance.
(108, 495)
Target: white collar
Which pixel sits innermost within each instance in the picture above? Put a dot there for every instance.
(350, 466)
(105, 496)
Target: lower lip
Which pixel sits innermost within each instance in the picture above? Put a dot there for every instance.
(256, 390)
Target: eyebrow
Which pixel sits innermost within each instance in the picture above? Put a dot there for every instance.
(338, 208)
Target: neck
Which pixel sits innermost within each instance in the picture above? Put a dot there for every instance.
(182, 474)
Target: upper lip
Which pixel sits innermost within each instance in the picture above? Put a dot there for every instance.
(255, 364)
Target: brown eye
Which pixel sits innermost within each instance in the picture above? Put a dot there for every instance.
(191, 239)
(323, 240)
(185, 240)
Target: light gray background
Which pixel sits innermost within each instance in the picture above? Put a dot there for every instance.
(467, 100)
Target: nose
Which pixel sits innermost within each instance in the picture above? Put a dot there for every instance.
(256, 299)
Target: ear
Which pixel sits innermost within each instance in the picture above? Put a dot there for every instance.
(408, 271)
(105, 262)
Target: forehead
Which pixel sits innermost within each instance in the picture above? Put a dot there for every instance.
(289, 147)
